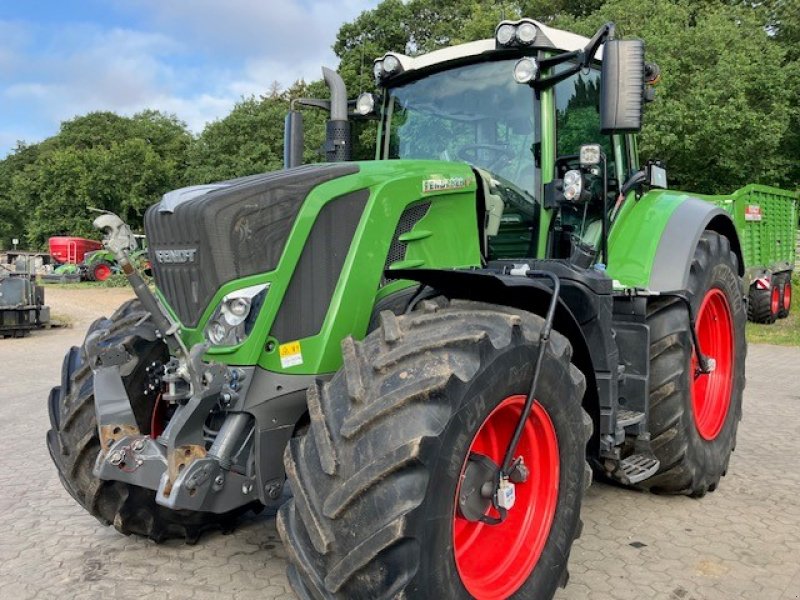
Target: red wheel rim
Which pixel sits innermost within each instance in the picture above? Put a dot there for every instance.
(711, 393)
(495, 560)
(787, 295)
(775, 300)
(102, 272)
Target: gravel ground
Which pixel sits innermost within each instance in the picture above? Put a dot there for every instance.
(743, 541)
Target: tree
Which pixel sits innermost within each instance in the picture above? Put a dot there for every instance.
(250, 139)
(102, 160)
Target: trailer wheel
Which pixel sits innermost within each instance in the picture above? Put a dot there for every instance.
(693, 418)
(74, 444)
(763, 303)
(393, 450)
(786, 295)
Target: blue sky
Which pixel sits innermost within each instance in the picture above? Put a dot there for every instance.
(193, 58)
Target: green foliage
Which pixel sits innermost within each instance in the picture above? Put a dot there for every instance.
(250, 139)
(724, 107)
(99, 160)
(727, 112)
(117, 280)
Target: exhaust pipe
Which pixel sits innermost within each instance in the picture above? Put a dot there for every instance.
(337, 131)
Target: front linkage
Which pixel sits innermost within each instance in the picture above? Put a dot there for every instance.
(176, 463)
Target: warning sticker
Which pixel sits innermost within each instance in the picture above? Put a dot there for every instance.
(291, 356)
(752, 212)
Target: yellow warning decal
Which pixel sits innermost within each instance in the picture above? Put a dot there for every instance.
(291, 355)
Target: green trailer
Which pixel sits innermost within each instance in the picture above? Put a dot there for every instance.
(766, 221)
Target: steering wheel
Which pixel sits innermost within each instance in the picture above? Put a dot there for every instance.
(499, 155)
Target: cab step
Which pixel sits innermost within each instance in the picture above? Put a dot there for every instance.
(636, 468)
(629, 418)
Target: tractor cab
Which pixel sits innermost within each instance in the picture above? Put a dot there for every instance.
(520, 108)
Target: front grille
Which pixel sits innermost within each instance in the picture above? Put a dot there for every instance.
(236, 229)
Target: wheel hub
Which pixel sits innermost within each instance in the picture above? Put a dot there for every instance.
(477, 487)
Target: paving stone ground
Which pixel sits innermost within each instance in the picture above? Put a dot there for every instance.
(741, 542)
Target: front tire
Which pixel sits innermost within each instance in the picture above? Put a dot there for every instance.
(375, 481)
(693, 420)
(74, 443)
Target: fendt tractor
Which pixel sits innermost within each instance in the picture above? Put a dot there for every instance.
(437, 348)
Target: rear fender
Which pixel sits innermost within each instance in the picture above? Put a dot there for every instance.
(653, 241)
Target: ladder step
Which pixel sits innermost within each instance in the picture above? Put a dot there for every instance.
(636, 468)
(627, 418)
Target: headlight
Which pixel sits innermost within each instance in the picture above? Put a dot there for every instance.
(234, 318)
(377, 69)
(573, 185)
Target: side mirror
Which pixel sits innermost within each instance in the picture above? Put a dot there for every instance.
(293, 138)
(622, 87)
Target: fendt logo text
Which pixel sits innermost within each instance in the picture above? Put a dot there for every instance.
(184, 255)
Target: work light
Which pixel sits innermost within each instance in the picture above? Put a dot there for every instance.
(505, 34)
(526, 70)
(526, 33)
(573, 185)
(511, 34)
(365, 104)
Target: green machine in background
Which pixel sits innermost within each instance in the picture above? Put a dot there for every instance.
(436, 348)
(766, 220)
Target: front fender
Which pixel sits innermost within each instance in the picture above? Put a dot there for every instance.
(652, 243)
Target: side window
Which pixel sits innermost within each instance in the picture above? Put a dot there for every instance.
(578, 115)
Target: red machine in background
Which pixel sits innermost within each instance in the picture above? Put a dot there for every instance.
(71, 250)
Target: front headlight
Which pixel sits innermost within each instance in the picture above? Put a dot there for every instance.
(234, 318)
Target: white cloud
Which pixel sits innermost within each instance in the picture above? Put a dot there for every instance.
(193, 58)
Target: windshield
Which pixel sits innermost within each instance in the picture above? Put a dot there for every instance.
(476, 113)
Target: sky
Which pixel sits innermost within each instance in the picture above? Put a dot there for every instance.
(192, 58)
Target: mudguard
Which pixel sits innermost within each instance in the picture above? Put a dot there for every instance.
(653, 240)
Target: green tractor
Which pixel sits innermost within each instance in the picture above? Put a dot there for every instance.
(99, 265)
(436, 348)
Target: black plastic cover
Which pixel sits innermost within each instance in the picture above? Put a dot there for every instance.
(236, 229)
(622, 83)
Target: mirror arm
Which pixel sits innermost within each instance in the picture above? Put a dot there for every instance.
(546, 63)
(606, 32)
(584, 58)
(548, 82)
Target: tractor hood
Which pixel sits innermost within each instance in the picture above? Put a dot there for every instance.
(203, 236)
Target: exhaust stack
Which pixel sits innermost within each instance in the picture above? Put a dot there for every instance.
(337, 131)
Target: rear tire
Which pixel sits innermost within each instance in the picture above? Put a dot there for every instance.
(763, 306)
(374, 509)
(74, 443)
(693, 422)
